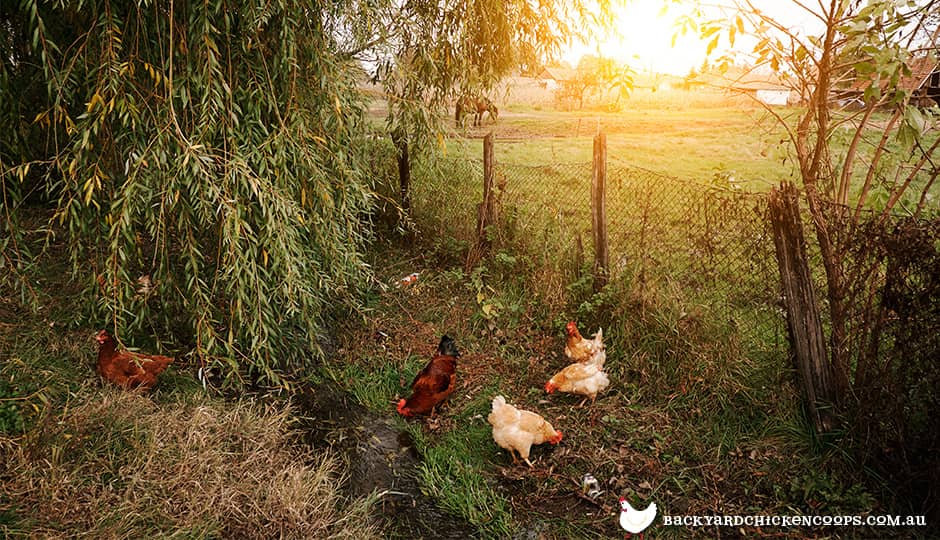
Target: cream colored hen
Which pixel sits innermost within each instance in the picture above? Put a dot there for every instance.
(583, 379)
(586, 351)
(517, 430)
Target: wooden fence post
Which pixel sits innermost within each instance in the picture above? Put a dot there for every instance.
(806, 331)
(599, 210)
(486, 215)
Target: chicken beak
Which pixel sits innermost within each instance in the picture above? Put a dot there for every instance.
(557, 438)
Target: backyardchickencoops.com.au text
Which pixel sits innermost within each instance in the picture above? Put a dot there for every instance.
(796, 521)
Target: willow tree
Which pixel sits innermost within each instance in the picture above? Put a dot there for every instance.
(201, 162)
(205, 163)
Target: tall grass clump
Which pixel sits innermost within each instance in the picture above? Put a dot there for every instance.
(200, 160)
(117, 465)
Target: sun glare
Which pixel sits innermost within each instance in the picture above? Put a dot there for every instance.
(643, 38)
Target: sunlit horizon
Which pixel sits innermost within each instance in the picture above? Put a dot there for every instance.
(646, 36)
(643, 39)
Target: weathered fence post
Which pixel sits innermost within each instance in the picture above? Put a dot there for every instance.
(486, 214)
(599, 210)
(806, 331)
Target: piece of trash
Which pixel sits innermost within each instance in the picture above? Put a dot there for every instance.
(410, 279)
(144, 284)
(590, 487)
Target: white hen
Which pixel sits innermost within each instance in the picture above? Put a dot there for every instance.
(636, 521)
(517, 430)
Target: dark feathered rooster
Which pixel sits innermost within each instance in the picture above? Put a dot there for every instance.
(434, 383)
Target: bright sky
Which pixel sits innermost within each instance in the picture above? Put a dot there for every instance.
(644, 41)
(645, 36)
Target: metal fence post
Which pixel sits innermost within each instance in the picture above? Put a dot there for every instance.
(599, 210)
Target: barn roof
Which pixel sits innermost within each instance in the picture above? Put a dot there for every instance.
(921, 69)
(739, 78)
(559, 74)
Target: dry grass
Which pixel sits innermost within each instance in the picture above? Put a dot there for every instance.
(118, 465)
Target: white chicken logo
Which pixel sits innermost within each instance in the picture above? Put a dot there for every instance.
(636, 521)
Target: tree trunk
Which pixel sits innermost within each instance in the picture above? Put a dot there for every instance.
(818, 181)
(404, 170)
(806, 332)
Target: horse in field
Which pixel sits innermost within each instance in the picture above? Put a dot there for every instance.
(476, 106)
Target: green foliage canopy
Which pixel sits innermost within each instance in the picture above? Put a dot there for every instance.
(210, 146)
(208, 162)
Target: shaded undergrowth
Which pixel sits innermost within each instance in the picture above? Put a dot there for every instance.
(79, 457)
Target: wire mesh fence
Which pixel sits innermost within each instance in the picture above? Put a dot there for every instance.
(713, 247)
(713, 243)
(663, 233)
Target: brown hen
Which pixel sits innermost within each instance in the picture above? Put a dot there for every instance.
(127, 369)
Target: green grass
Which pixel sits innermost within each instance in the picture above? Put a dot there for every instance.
(374, 383)
(695, 144)
(453, 472)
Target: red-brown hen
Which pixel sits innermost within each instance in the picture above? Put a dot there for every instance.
(127, 369)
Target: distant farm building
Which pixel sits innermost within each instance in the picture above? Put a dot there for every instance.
(654, 82)
(923, 84)
(766, 92)
(554, 77)
(764, 87)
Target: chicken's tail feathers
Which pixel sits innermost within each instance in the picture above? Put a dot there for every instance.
(447, 347)
(499, 401)
(156, 364)
(599, 340)
(597, 359)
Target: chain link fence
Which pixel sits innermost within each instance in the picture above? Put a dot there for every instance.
(712, 247)
(711, 243)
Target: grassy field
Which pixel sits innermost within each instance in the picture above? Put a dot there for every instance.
(696, 141)
(696, 419)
